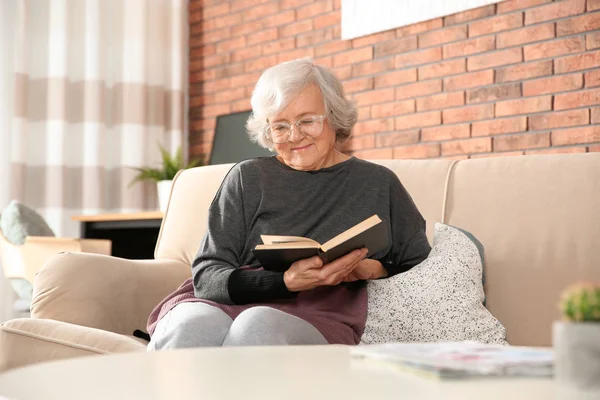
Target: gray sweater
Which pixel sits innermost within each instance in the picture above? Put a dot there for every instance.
(265, 196)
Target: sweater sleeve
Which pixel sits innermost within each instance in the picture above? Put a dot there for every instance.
(215, 270)
(409, 240)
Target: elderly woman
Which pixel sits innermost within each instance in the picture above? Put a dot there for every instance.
(308, 189)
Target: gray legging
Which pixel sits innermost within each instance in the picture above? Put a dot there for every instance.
(198, 325)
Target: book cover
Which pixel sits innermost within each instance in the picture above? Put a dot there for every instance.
(278, 253)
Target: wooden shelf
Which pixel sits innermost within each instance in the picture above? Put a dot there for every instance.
(119, 217)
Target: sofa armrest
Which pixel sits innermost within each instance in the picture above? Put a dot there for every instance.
(104, 292)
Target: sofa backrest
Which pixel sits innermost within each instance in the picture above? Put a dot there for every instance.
(537, 216)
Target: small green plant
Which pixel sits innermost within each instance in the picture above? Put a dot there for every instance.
(581, 303)
(168, 170)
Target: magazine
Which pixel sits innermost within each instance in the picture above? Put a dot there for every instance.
(451, 360)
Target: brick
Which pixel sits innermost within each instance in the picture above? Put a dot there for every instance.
(262, 63)
(594, 149)
(247, 27)
(229, 95)
(493, 93)
(358, 85)
(311, 10)
(441, 36)
(332, 47)
(296, 28)
(555, 84)
(529, 34)
(499, 126)
(396, 78)
(260, 11)
(555, 10)
(554, 48)
(418, 120)
(451, 67)
(418, 89)
(583, 23)
(469, 47)
(445, 132)
(372, 67)
(359, 143)
(495, 59)
(247, 53)
(522, 141)
(237, 5)
(471, 113)
(473, 79)
(593, 5)
(278, 46)
(364, 113)
(393, 109)
(231, 44)
(417, 151)
(592, 78)
(373, 39)
(281, 19)
(524, 71)
(285, 4)
(523, 106)
(395, 46)
(374, 96)
(294, 54)
(419, 27)
(215, 109)
(596, 115)
(514, 5)
(374, 154)
(577, 99)
(325, 61)
(418, 57)
(245, 79)
(216, 85)
(397, 139)
(588, 134)
(326, 20)
(500, 154)
(442, 100)
(496, 24)
(213, 11)
(467, 146)
(558, 150)
(469, 15)
(592, 40)
(215, 36)
(559, 119)
(263, 36)
(229, 70)
(373, 126)
(353, 56)
(577, 62)
(223, 21)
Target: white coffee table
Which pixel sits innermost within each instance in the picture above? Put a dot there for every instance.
(307, 372)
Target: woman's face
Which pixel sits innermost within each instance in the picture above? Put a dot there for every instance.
(301, 152)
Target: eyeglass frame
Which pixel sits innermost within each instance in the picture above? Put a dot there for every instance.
(291, 124)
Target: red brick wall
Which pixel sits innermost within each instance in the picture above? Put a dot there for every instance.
(517, 77)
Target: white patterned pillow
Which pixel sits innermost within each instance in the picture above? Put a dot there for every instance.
(440, 299)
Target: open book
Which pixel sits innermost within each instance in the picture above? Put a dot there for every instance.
(278, 253)
(451, 360)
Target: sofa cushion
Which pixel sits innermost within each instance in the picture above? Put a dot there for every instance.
(27, 341)
(440, 299)
(19, 221)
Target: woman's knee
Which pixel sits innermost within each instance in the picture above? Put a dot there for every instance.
(190, 325)
(269, 326)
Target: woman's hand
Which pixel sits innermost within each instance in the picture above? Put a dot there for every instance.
(365, 270)
(310, 273)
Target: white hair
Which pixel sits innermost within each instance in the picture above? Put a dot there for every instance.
(278, 85)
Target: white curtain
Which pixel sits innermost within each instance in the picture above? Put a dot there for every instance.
(88, 89)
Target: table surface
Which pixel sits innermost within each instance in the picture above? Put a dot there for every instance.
(298, 372)
(119, 217)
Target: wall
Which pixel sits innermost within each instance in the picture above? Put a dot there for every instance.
(517, 77)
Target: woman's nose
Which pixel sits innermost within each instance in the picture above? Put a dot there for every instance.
(295, 134)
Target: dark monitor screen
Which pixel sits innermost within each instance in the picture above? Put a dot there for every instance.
(231, 143)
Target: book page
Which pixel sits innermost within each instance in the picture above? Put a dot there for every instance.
(355, 230)
(288, 245)
(273, 239)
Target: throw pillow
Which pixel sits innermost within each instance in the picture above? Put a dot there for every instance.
(440, 299)
(19, 221)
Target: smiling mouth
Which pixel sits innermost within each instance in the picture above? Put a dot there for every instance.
(302, 148)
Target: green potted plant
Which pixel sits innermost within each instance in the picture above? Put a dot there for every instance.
(163, 175)
(577, 338)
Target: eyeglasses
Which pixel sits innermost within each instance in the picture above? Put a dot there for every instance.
(280, 132)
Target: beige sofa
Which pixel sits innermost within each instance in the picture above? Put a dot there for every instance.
(537, 216)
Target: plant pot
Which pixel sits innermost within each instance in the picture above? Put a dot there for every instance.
(577, 354)
(164, 191)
